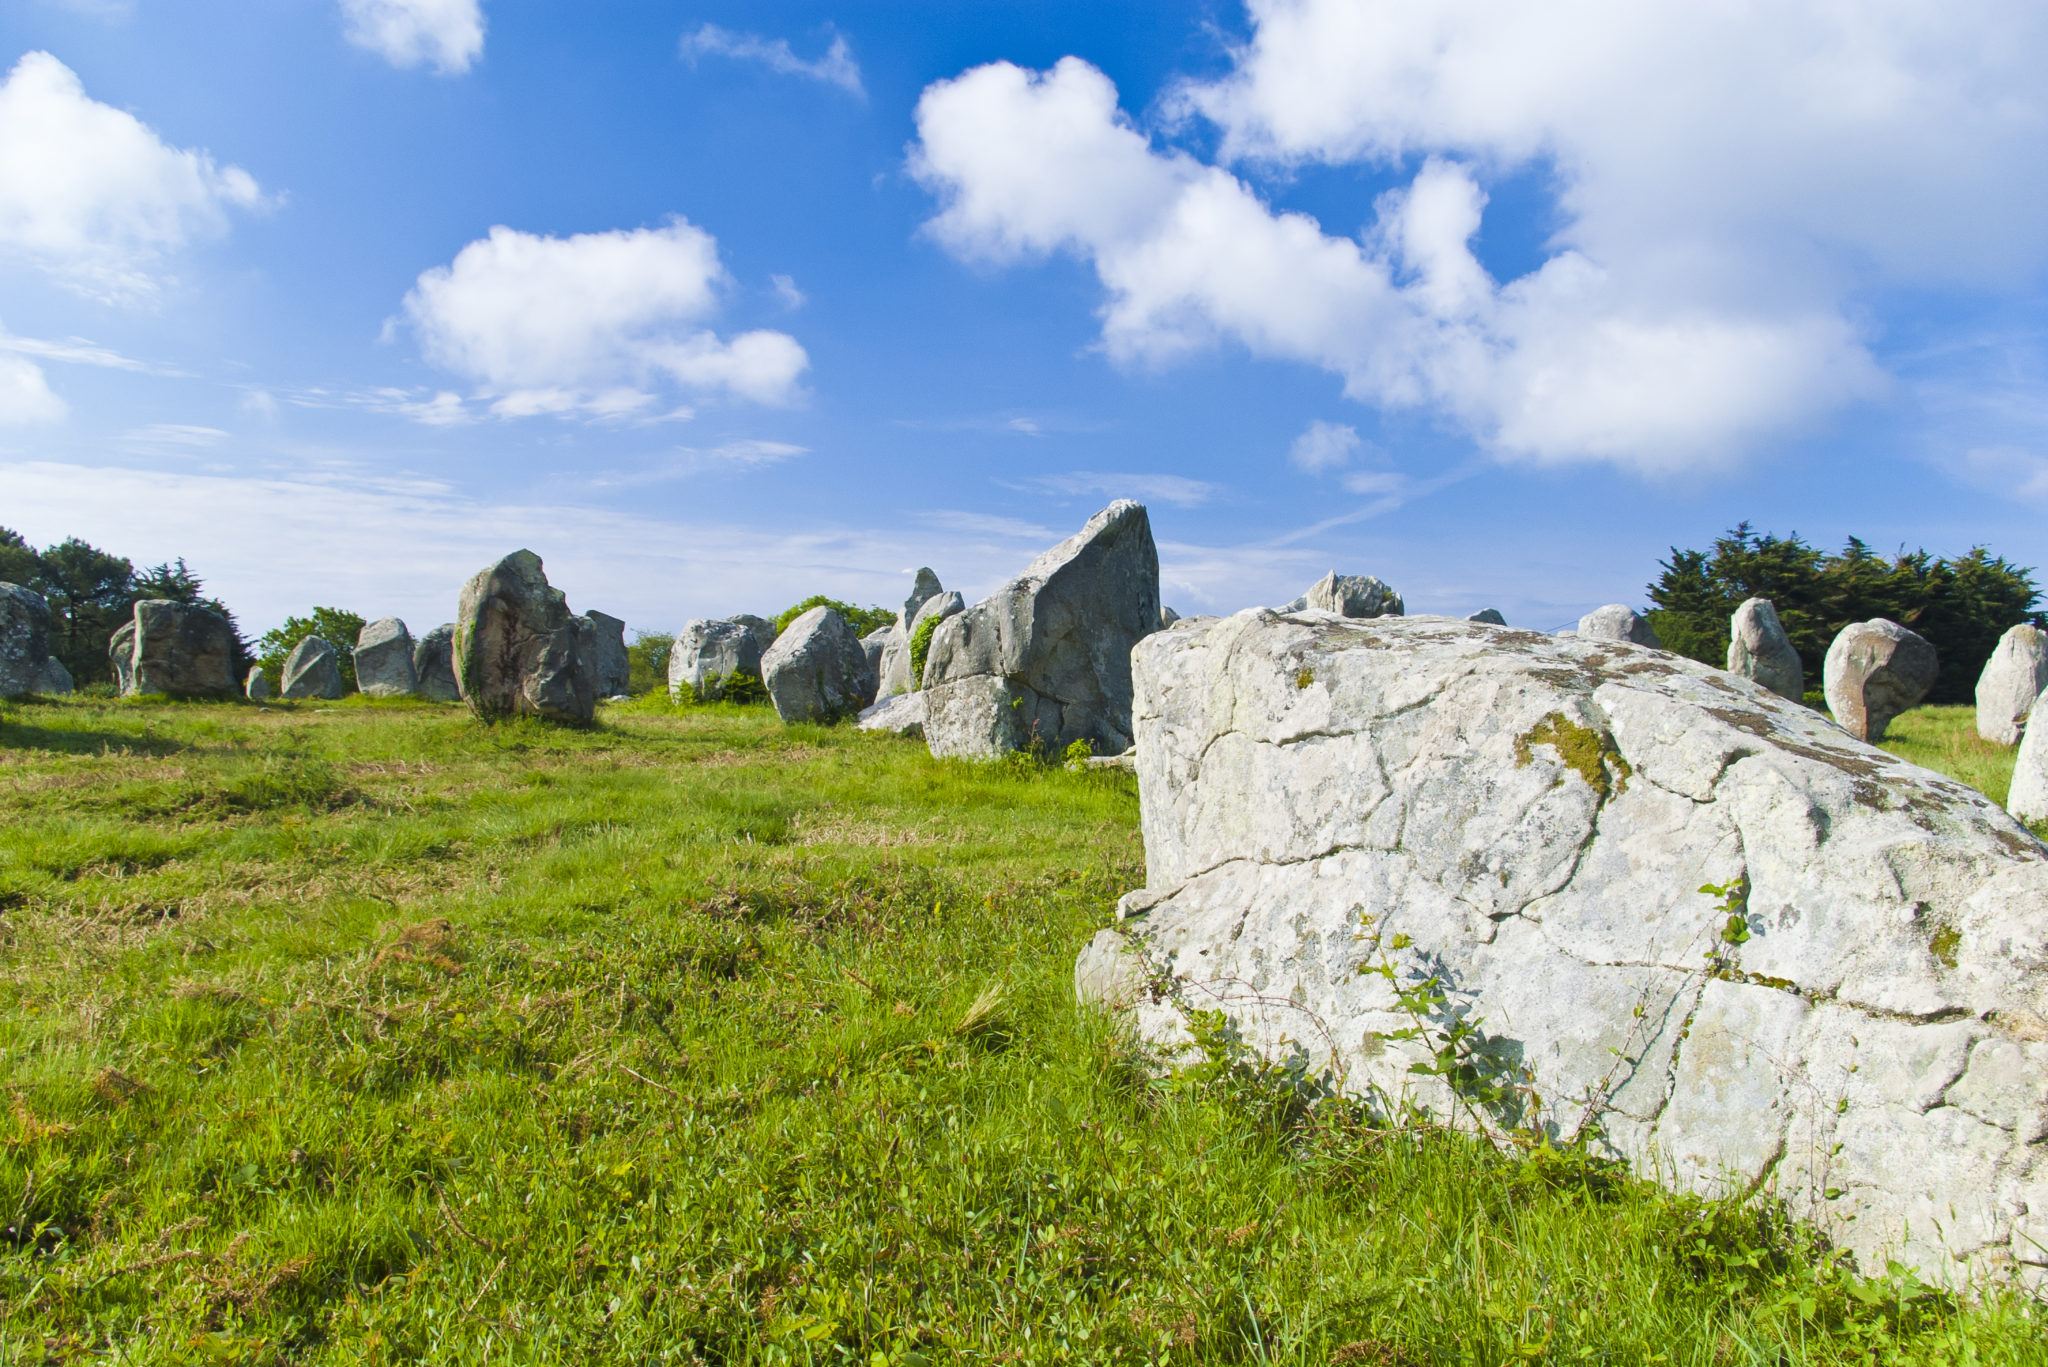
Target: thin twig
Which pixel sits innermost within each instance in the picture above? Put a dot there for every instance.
(649, 1081)
(479, 1240)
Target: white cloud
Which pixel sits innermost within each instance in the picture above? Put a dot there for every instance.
(91, 195)
(1177, 490)
(159, 434)
(585, 324)
(1324, 446)
(1728, 180)
(2010, 471)
(787, 292)
(836, 67)
(449, 34)
(25, 395)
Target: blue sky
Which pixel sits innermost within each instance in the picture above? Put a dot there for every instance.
(717, 305)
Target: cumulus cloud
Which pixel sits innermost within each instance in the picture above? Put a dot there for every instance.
(836, 67)
(25, 395)
(91, 195)
(1324, 446)
(585, 324)
(447, 34)
(1727, 180)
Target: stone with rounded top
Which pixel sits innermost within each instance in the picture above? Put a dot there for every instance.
(1874, 671)
(817, 670)
(383, 659)
(433, 664)
(257, 686)
(24, 639)
(1760, 649)
(2013, 678)
(707, 651)
(1850, 1020)
(1618, 622)
(518, 649)
(312, 670)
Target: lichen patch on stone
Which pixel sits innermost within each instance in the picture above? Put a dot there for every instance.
(1591, 754)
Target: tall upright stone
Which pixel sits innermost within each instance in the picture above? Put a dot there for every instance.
(2012, 679)
(121, 655)
(1045, 660)
(1759, 649)
(1619, 622)
(2028, 799)
(312, 671)
(612, 669)
(1874, 671)
(433, 664)
(383, 658)
(817, 669)
(182, 650)
(892, 670)
(24, 639)
(257, 686)
(519, 651)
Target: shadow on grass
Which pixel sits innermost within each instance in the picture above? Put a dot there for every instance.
(17, 734)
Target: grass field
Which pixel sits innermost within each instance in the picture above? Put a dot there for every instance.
(364, 1034)
(1946, 739)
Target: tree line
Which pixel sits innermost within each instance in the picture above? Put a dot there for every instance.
(1962, 606)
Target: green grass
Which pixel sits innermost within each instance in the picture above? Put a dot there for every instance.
(359, 1033)
(1945, 739)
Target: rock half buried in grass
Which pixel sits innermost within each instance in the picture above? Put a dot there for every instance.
(817, 669)
(433, 664)
(1759, 649)
(2012, 679)
(1857, 1023)
(311, 670)
(1875, 670)
(518, 649)
(383, 656)
(901, 713)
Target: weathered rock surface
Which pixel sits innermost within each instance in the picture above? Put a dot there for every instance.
(611, 668)
(1875, 670)
(873, 645)
(902, 713)
(2028, 799)
(706, 652)
(519, 651)
(895, 674)
(1350, 595)
(1488, 615)
(55, 680)
(1167, 617)
(181, 650)
(817, 669)
(257, 686)
(1531, 820)
(433, 665)
(1046, 659)
(121, 654)
(383, 656)
(24, 639)
(2012, 679)
(1618, 622)
(312, 670)
(1759, 649)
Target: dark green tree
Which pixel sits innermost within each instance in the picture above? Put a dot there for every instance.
(647, 661)
(863, 620)
(339, 627)
(19, 563)
(178, 584)
(91, 593)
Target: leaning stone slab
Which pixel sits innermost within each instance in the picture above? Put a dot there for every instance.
(707, 652)
(257, 686)
(817, 669)
(1759, 649)
(24, 639)
(312, 670)
(383, 657)
(182, 650)
(433, 664)
(1874, 671)
(901, 714)
(1618, 622)
(519, 651)
(2012, 679)
(1857, 1030)
(611, 668)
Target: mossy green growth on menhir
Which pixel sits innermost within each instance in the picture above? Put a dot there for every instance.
(1588, 752)
(365, 1033)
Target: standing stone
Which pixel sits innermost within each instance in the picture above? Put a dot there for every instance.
(312, 670)
(519, 651)
(55, 680)
(1530, 821)
(1618, 622)
(817, 669)
(384, 667)
(24, 639)
(1045, 660)
(706, 653)
(183, 651)
(1759, 649)
(1489, 615)
(873, 645)
(2028, 799)
(892, 674)
(433, 665)
(1349, 595)
(612, 669)
(899, 663)
(121, 654)
(258, 685)
(1874, 671)
(924, 587)
(1167, 617)
(2012, 679)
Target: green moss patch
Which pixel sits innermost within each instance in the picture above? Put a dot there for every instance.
(1589, 753)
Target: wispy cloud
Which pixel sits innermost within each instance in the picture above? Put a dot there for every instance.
(985, 524)
(79, 351)
(733, 456)
(836, 67)
(1177, 490)
(161, 434)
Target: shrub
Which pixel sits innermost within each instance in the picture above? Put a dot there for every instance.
(921, 646)
(862, 620)
(336, 626)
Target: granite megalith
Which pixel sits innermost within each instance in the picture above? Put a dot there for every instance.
(1849, 1020)
(893, 674)
(1759, 649)
(257, 686)
(518, 650)
(383, 658)
(433, 665)
(2028, 797)
(312, 670)
(24, 639)
(1349, 595)
(1874, 671)
(899, 713)
(1618, 622)
(708, 652)
(1491, 615)
(54, 680)
(1045, 660)
(611, 668)
(2012, 680)
(121, 655)
(182, 650)
(817, 670)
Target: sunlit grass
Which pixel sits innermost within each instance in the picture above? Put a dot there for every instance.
(1945, 739)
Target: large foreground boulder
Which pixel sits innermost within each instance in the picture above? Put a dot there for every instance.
(383, 658)
(1759, 649)
(707, 652)
(1854, 1025)
(1350, 595)
(610, 667)
(817, 669)
(1619, 622)
(181, 650)
(1045, 660)
(312, 670)
(519, 651)
(1874, 671)
(24, 640)
(2012, 679)
(433, 665)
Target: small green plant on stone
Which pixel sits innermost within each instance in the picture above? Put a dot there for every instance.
(920, 647)
(1079, 753)
(1734, 929)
